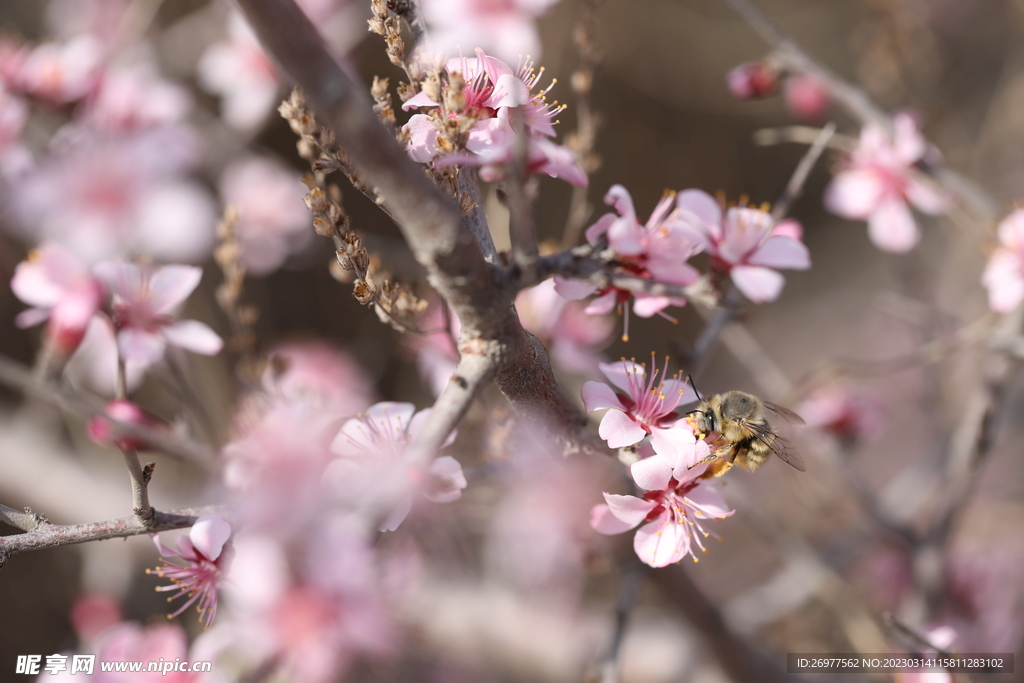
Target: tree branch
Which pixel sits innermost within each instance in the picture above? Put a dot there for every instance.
(47, 535)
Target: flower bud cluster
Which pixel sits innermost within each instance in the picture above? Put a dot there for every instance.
(389, 26)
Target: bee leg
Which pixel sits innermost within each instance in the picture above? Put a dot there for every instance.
(717, 469)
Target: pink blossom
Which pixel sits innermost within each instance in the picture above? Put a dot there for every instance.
(1004, 273)
(673, 507)
(243, 76)
(144, 300)
(370, 470)
(93, 613)
(318, 373)
(494, 146)
(657, 250)
(753, 80)
(102, 428)
(62, 290)
(495, 95)
(129, 641)
(273, 221)
(306, 609)
(105, 196)
(505, 28)
(571, 336)
(57, 73)
(237, 70)
(842, 412)
(206, 553)
(745, 243)
(275, 465)
(807, 97)
(648, 406)
(880, 178)
(135, 97)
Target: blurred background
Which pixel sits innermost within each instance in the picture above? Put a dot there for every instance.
(809, 563)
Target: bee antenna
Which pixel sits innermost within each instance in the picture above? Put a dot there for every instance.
(689, 378)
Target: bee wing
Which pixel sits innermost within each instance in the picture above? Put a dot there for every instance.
(785, 413)
(766, 435)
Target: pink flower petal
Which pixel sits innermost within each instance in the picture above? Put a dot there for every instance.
(397, 514)
(629, 509)
(646, 305)
(855, 193)
(140, 346)
(573, 290)
(209, 534)
(781, 252)
(598, 395)
(448, 480)
(662, 542)
(602, 304)
(757, 284)
(676, 445)
(925, 196)
(171, 285)
(701, 209)
(194, 336)
(892, 227)
(653, 473)
(620, 430)
(604, 522)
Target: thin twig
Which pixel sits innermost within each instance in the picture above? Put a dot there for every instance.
(795, 186)
(54, 535)
(16, 375)
(859, 105)
(26, 521)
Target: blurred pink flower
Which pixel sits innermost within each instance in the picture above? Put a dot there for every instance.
(56, 73)
(753, 80)
(318, 373)
(649, 405)
(571, 336)
(506, 28)
(306, 609)
(93, 613)
(745, 243)
(129, 641)
(274, 467)
(674, 504)
(101, 428)
(494, 93)
(237, 70)
(370, 470)
(273, 221)
(13, 115)
(242, 75)
(1004, 273)
(62, 290)
(143, 302)
(842, 412)
(880, 178)
(807, 97)
(206, 553)
(135, 97)
(105, 196)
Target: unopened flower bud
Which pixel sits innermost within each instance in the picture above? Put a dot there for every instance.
(753, 80)
(104, 430)
(807, 98)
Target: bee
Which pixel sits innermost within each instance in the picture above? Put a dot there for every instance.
(746, 436)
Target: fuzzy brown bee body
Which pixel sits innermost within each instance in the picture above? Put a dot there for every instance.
(746, 437)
